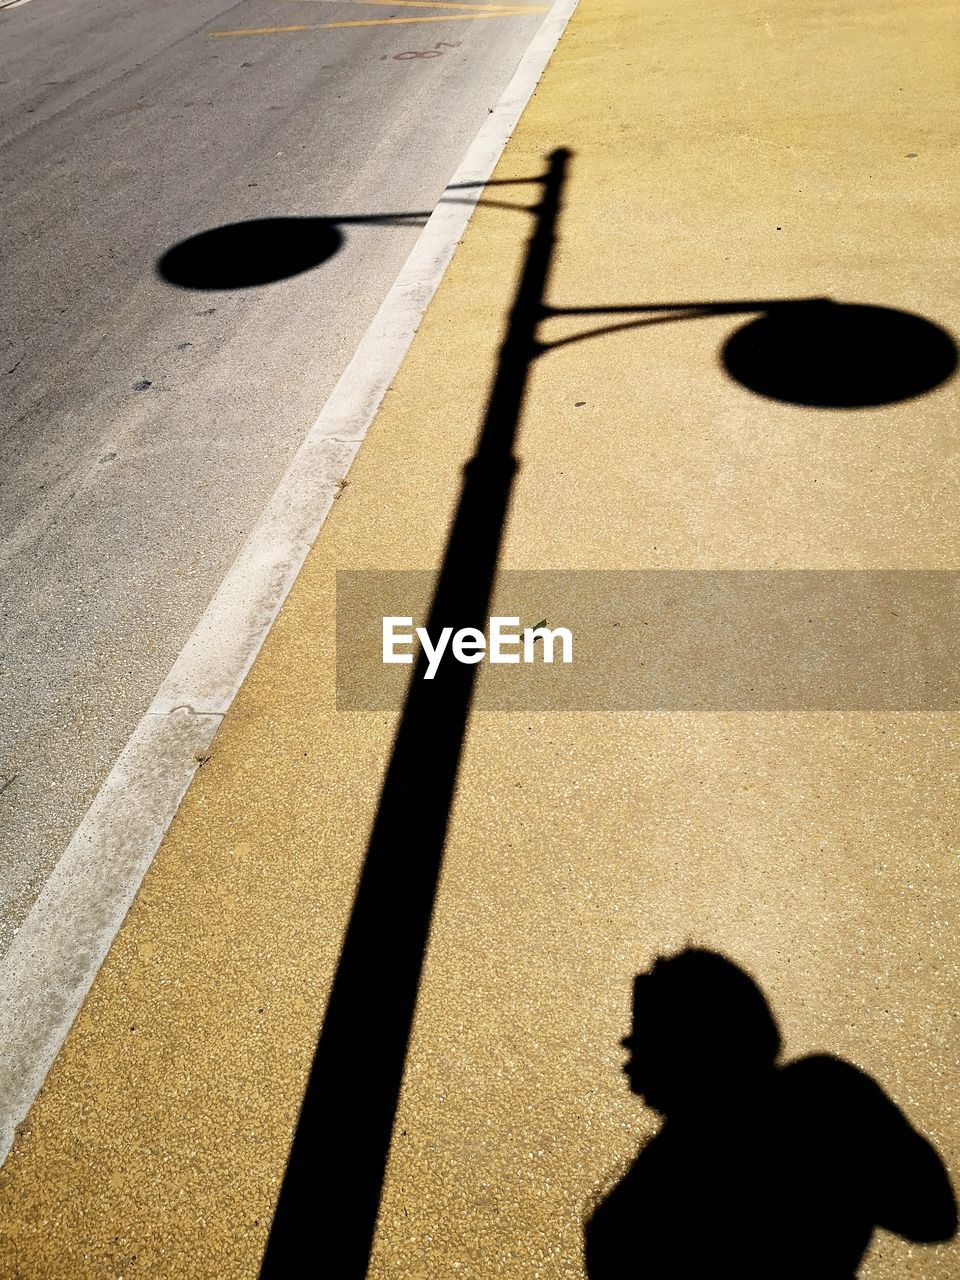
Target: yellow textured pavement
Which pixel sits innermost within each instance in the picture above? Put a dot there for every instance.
(719, 151)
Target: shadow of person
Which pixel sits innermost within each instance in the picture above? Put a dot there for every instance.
(759, 1169)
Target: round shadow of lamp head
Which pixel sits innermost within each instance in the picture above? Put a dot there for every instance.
(244, 255)
(831, 355)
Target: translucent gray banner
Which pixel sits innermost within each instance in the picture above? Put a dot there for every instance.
(663, 640)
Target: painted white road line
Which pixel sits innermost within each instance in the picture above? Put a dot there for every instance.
(54, 958)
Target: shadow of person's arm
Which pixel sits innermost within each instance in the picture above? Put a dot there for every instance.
(914, 1195)
(906, 1187)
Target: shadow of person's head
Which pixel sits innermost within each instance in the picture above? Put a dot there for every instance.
(702, 1030)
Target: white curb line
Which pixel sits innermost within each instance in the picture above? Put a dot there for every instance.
(55, 956)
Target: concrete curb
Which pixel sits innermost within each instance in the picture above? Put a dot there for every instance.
(57, 952)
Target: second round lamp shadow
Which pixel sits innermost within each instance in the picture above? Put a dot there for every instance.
(243, 255)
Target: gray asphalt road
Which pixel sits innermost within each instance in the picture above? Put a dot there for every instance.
(143, 425)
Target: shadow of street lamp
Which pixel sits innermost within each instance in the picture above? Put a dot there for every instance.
(813, 352)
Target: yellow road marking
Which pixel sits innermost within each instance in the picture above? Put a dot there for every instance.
(386, 22)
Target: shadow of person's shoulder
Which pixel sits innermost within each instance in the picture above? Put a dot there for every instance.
(829, 1083)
